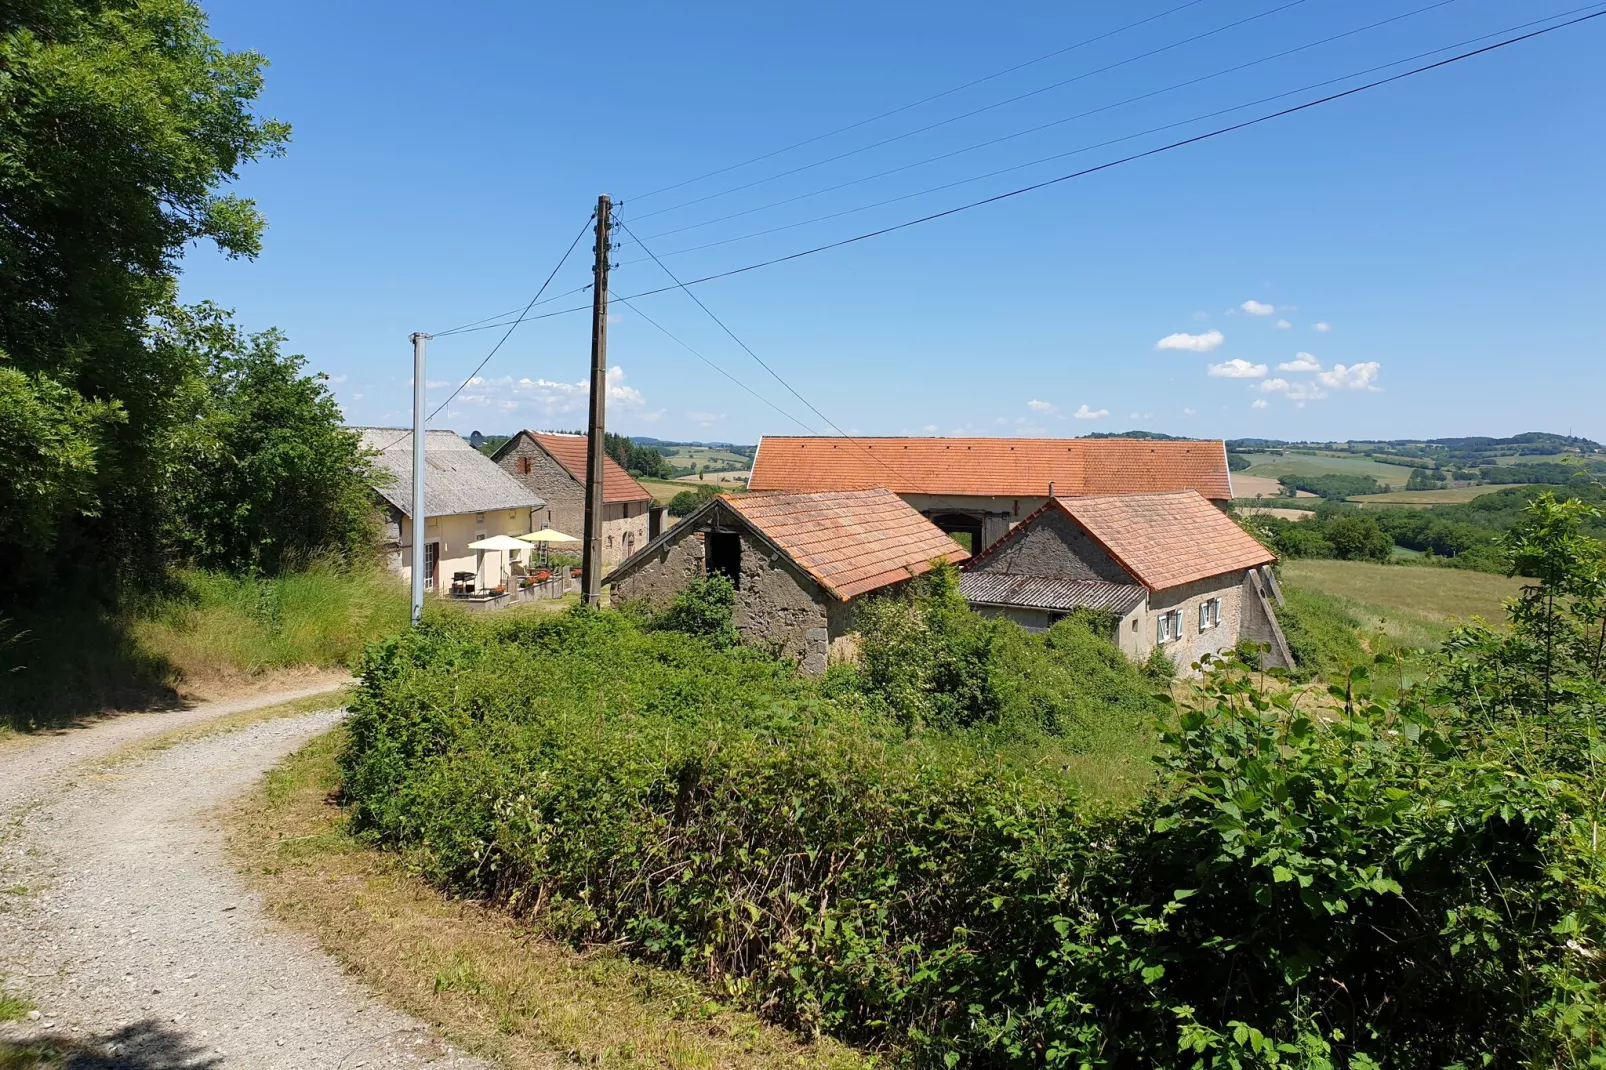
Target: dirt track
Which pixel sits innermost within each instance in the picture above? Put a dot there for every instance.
(128, 927)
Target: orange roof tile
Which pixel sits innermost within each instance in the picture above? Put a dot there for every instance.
(851, 542)
(992, 466)
(570, 452)
(1166, 540)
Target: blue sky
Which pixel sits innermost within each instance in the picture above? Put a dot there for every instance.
(1420, 260)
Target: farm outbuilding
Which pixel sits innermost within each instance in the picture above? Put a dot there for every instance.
(800, 563)
(554, 467)
(1174, 572)
(978, 488)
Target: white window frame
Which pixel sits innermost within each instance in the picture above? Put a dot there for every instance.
(1169, 627)
(1209, 614)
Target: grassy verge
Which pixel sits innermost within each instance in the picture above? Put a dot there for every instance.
(1420, 597)
(205, 636)
(481, 977)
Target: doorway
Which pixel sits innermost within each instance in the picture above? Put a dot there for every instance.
(725, 556)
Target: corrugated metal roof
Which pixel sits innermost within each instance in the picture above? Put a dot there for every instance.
(1038, 592)
(850, 542)
(992, 466)
(457, 477)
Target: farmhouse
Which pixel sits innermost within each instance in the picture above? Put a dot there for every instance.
(977, 488)
(799, 562)
(1173, 570)
(554, 467)
(466, 499)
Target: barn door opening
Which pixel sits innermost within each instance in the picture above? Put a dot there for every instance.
(725, 556)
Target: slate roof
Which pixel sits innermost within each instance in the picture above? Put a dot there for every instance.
(999, 467)
(457, 477)
(570, 452)
(1039, 592)
(849, 542)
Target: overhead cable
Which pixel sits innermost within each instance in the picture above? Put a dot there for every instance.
(985, 108)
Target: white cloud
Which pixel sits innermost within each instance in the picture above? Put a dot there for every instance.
(1201, 315)
(1192, 343)
(1255, 308)
(1260, 403)
(337, 379)
(1272, 386)
(705, 419)
(1140, 416)
(1298, 392)
(435, 384)
(1302, 362)
(1237, 368)
(1042, 406)
(930, 429)
(1085, 413)
(1322, 327)
(1188, 412)
(1283, 325)
(356, 397)
(1353, 377)
(550, 398)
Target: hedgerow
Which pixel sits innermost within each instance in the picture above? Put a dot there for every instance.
(1395, 885)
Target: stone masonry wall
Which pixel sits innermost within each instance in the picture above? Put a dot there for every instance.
(1194, 644)
(624, 524)
(1054, 546)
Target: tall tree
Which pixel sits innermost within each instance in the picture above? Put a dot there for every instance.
(120, 121)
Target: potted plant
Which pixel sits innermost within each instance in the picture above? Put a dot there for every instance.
(541, 575)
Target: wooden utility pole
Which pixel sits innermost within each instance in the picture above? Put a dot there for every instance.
(591, 561)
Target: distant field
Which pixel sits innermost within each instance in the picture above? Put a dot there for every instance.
(703, 457)
(1428, 594)
(1245, 485)
(738, 479)
(662, 489)
(1271, 465)
(1449, 496)
(1281, 514)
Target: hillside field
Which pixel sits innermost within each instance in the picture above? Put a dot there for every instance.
(1271, 466)
(1448, 496)
(704, 457)
(1427, 594)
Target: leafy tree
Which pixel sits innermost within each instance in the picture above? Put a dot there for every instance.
(1357, 537)
(271, 477)
(683, 503)
(118, 124)
(705, 608)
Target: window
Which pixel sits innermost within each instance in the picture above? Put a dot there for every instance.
(524, 466)
(1209, 614)
(432, 559)
(1169, 627)
(725, 555)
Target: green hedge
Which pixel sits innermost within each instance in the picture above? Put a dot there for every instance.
(1294, 891)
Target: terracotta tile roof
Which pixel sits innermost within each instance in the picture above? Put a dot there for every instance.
(570, 452)
(999, 467)
(850, 542)
(1166, 540)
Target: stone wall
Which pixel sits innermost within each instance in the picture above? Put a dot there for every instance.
(1194, 644)
(1054, 546)
(624, 524)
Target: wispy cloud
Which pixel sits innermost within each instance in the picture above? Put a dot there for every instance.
(1044, 407)
(550, 398)
(1188, 412)
(1255, 308)
(705, 419)
(1237, 368)
(1322, 327)
(1140, 416)
(1085, 413)
(1192, 343)
(1302, 362)
(1283, 325)
(1259, 403)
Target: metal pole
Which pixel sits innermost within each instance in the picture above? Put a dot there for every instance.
(591, 559)
(420, 342)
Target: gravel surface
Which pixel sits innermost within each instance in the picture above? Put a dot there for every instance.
(139, 943)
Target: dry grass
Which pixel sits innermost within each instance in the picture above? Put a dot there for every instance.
(488, 982)
(1436, 594)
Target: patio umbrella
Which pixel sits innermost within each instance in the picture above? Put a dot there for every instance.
(545, 537)
(499, 542)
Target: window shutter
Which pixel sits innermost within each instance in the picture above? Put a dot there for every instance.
(1204, 615)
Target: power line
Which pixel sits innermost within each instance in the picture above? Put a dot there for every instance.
(1108, 165)
(922, 100)
(1081, 115)
(711, 364)
(509, 333)
(473, 325)
(985, 108)
(761, 361)
(1101, 144)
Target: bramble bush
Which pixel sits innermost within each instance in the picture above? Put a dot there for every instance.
(1410, 885)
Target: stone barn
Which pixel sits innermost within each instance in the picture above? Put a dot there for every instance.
(979, 488)
(1175, 572)
(799, 562)
(554, 467)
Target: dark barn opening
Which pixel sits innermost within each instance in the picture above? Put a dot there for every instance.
(966, 525)
(725, 556)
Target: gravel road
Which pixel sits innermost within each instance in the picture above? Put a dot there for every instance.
(139, 943)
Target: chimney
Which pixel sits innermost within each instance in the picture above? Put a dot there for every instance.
(1051, 488)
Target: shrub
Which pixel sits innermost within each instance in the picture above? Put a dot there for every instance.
(704, 608)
